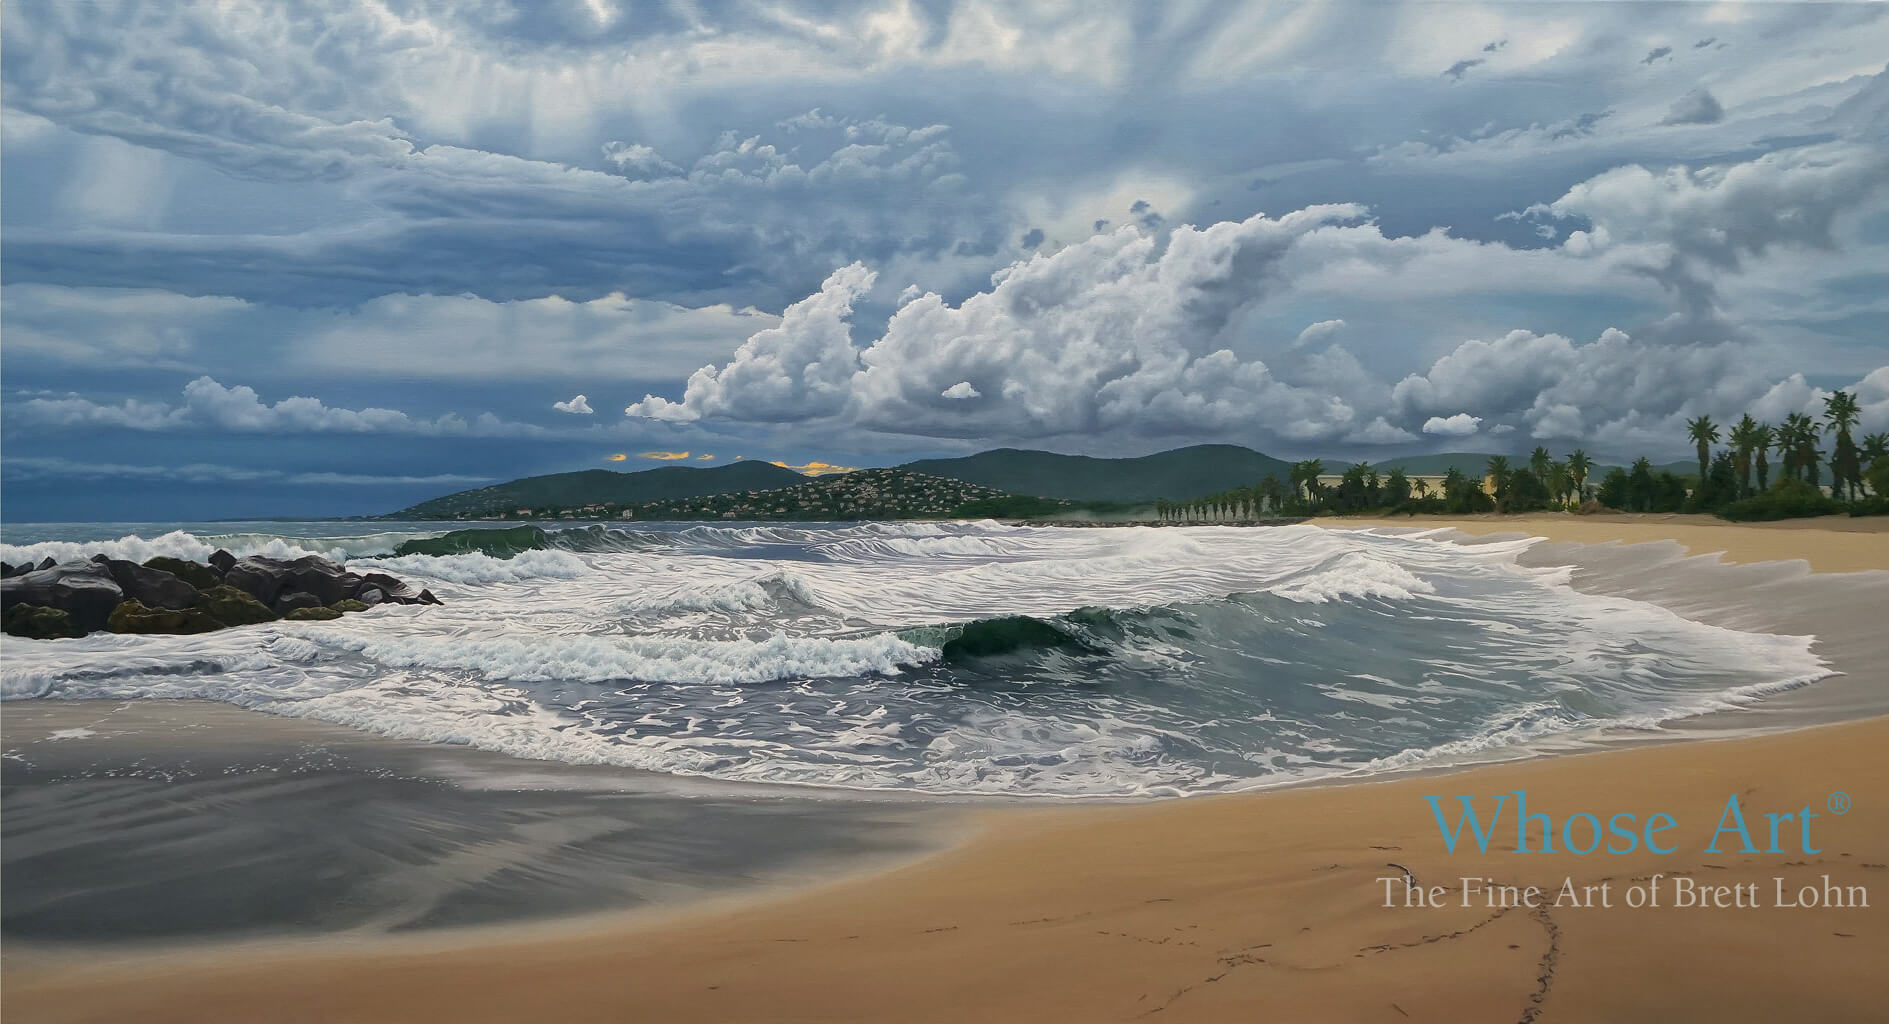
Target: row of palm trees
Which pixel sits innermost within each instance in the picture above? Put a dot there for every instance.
(1543, 481)
(1795, 441)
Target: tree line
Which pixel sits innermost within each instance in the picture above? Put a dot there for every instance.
(1736, 481)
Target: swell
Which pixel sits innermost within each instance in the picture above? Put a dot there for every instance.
(1214, 659)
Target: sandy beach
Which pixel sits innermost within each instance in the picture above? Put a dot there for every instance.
(1226, 908)
(1826, 543)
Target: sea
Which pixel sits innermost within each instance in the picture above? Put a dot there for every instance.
(962, 659)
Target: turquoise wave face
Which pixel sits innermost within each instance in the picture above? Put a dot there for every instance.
(945, 658)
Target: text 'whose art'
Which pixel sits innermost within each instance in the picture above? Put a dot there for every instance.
(1582, 833)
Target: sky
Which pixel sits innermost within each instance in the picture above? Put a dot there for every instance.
(332, 258)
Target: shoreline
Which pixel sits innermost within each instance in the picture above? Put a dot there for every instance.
(1220, 908)
(1114, 905)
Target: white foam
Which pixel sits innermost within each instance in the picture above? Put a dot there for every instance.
(1355, 575)
(476, 567)
(196, 548)
(600, 659)
(762, 593)
(176, 544)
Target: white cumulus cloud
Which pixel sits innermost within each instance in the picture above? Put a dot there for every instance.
(1460, 425)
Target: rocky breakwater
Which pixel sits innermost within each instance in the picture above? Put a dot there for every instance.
(171, 595)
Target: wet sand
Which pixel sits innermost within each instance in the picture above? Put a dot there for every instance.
(1235, 908)
(140, 822)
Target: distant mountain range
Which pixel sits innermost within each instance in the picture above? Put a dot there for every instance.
(1178, 475)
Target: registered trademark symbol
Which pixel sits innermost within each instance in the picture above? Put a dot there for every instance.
(1839, 802)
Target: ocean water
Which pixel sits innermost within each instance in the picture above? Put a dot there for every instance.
(950, 658)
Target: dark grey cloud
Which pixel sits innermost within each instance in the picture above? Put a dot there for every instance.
(1696, 107)
(1658, 53)
(1457, 70)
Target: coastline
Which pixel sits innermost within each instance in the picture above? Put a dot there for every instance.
(1827, 544)
(1209, 908)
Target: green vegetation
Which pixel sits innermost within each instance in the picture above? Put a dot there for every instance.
(1790, 499)
(861, 494)
(555, 495)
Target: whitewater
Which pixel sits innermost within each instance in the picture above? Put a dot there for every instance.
(945, 658)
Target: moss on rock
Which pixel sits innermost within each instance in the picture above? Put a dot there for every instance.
(39, 622)
(134, 617)
(315, 614)
(233, 607)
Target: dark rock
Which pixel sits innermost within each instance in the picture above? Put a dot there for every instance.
(101, 558)
(85, 591)
(392, 589)
(370, 596)
(197, 575)
(259, 577)
(498, 543)
(153, 588)
(47, 564)
(426, 597)
(316, 614)
(348, 604)
(133, 617)
(38, 623)
(233, 607)
(8, 569)
(313, 574)
(294, 599)
(220, 561)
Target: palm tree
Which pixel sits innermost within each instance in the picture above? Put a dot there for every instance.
(1740, 438)
(1797, 438)
(1300, 485)
(1538, 461)
(1840, 412)
(1875, 446)
(1762, 439)
(1499, 473)
(1422, 487)
(1704, 433)
(1578, 465)
(1310, 470)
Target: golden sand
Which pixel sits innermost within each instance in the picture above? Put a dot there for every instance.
(1828, 543)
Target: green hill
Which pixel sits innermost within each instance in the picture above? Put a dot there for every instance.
(861, 494)
(1470, 464)
(603, 486)
(1177, 475)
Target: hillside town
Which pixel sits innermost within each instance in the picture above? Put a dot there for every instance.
(863, 494)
